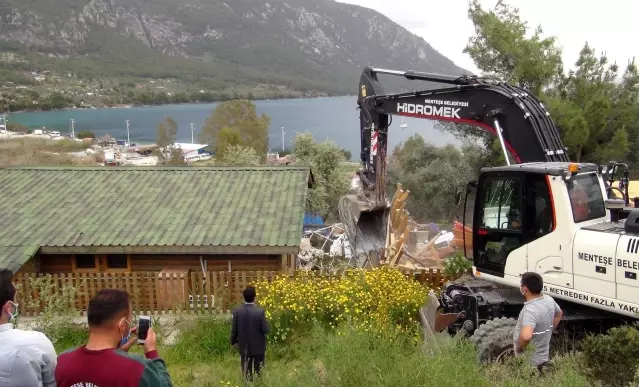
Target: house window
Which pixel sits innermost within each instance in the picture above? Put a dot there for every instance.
(85, 262)
(117, 262)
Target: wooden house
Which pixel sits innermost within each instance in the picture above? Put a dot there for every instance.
(118, 220)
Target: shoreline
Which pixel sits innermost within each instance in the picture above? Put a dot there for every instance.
(133, 105)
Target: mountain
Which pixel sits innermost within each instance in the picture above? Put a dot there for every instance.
(304, 45)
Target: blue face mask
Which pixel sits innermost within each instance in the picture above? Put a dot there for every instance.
(125, 339)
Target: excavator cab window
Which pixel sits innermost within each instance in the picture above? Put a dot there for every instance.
(586, 198)
(538, 207)
(499, 220)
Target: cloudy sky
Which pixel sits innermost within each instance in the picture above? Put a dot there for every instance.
(445, 25)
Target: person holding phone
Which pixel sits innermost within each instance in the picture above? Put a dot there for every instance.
(104, 360)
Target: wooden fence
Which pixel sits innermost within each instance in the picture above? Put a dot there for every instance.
(158, 293)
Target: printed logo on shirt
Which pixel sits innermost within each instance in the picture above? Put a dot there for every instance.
(84, 384)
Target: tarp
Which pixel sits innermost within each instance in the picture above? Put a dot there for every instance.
(312, 219)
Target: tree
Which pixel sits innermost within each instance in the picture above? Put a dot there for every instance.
(597, 116)
(593, 110)
(236, 123)
(240, 155)
(331, 181)
(347, 154)
(432, 175)
(167, 153)
(500, 48)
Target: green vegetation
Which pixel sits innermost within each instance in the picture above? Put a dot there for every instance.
(240, 155)
(598, 116)
(200, 51)
(352, 359)
(167, 153)
(326, 160)
(236, 123)
(432, 175)
(457, 265)
(613, 358)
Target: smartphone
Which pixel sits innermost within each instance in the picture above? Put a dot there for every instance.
(144, 323)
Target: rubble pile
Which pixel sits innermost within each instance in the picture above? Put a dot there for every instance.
(308, 254)
(325, 248)
(426, 247)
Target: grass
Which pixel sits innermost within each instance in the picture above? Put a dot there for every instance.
(202, 356)
(356, 358)
(42, 152)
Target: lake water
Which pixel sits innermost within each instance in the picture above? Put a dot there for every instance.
(335, 118)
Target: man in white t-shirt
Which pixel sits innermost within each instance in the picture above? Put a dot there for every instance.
(537, 320)
(27, 358)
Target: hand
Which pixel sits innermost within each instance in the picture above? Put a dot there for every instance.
(150, 344)
(126, 346)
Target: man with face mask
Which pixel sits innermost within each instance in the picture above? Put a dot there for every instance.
(27, 358)
(104, 360)
(537, 320)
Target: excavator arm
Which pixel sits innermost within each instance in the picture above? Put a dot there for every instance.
(520, 121)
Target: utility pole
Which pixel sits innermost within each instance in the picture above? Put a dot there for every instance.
(128, 139)
(72, 128)
(192, 137)
(282, 139)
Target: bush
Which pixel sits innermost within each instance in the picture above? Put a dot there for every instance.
(54, 304)
(457, 265)
(85, 134)
(612, 358)
(65, 146)
(372, 300)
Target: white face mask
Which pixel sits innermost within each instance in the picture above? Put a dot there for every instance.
(124, 339)
(14, 315)
(521, 290)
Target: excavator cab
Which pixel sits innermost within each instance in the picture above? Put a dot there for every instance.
(504, 210)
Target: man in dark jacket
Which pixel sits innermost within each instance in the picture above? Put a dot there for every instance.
(248, 333)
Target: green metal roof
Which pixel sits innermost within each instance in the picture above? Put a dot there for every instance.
(201, 209)
(13, 257)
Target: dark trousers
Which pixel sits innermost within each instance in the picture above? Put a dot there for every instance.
(251, 364)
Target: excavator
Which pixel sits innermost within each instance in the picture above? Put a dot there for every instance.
(539, 212)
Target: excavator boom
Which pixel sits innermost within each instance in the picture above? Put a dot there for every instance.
(520, 121)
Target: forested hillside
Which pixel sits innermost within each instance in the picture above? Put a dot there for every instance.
(315, 47)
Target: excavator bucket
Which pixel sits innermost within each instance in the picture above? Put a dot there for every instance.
(365, 223)
(432, 320)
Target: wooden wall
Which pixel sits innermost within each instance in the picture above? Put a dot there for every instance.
(213, 262)
(139, 263)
